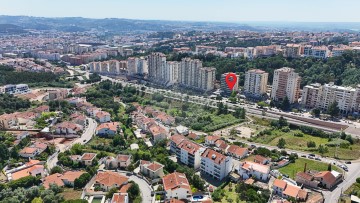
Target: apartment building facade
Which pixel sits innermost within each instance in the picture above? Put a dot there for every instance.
(256, 82)
(225, 90)
(286, 83)
(216, 165)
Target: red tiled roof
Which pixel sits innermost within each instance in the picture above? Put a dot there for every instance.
(177, 138)
(113, 126)
(214, 156)
(53, 179)
(327, 177)
(280, 183)
(305, 176)
(110, 178)
(176, 180)
(212, 138)
(118, 198)
(239, 151)
(88, 156)
(189, 146)
(123, 157)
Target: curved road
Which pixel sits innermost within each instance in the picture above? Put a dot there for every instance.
(85, 137)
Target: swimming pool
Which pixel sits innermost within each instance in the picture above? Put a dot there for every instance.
(197, 197)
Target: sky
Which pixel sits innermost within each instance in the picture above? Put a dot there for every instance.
(191, 10)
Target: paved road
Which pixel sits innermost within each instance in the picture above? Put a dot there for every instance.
(145, 189)
(85, 137)
(350, 178)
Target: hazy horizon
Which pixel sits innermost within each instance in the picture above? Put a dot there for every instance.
(230, 11)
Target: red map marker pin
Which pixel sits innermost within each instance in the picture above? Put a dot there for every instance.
(231, 80)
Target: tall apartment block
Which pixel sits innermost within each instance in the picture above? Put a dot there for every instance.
(317, 96)
(286, 83)
(157, 65)
(311, 95)
(225, 91)
(207, 79)
(132, 65)
(172, 72)
(256, 82)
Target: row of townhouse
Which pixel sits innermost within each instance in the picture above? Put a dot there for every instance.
(150, 125)
(22, 120)
(14, 89)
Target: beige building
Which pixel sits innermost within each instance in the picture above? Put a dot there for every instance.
(256, 82)
(292, 50)
(311, 95)
(286, 83)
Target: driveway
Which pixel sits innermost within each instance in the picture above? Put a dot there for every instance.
(145, 188)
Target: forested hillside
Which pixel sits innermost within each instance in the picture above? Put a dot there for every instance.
(343, 70)
(10, 104)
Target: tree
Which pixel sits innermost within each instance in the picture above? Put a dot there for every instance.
(4, 153)
(56, 169)
(111, 193)
(82, 180)
(316, 112)
(311, 144)
(329, 167)
(285, 104)
(281, 143)
(322, 150)
(118, 141)
(333, 110)
(37, 200)
(133, 191)
(232, 133)
(262, 104)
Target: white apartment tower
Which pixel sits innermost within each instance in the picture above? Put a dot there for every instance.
(172, 70)
(189, 69)
(286, 83)
(133, 63)
(157, 66)
(207, 79)
(256, 82)
(347, 98)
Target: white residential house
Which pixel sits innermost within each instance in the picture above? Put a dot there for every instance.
(176, 186)
(151, 169)
(87, 158)
(255, 170)
(102, 117)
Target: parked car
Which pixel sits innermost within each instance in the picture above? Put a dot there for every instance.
(348, 162)
(303, 156)
(318, 159)
(311, 157)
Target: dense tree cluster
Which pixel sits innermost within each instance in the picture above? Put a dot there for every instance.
(343, 70)
(10, 104)
(9, 76)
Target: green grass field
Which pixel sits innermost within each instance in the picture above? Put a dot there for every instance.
(293, 168)
(300, 143)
